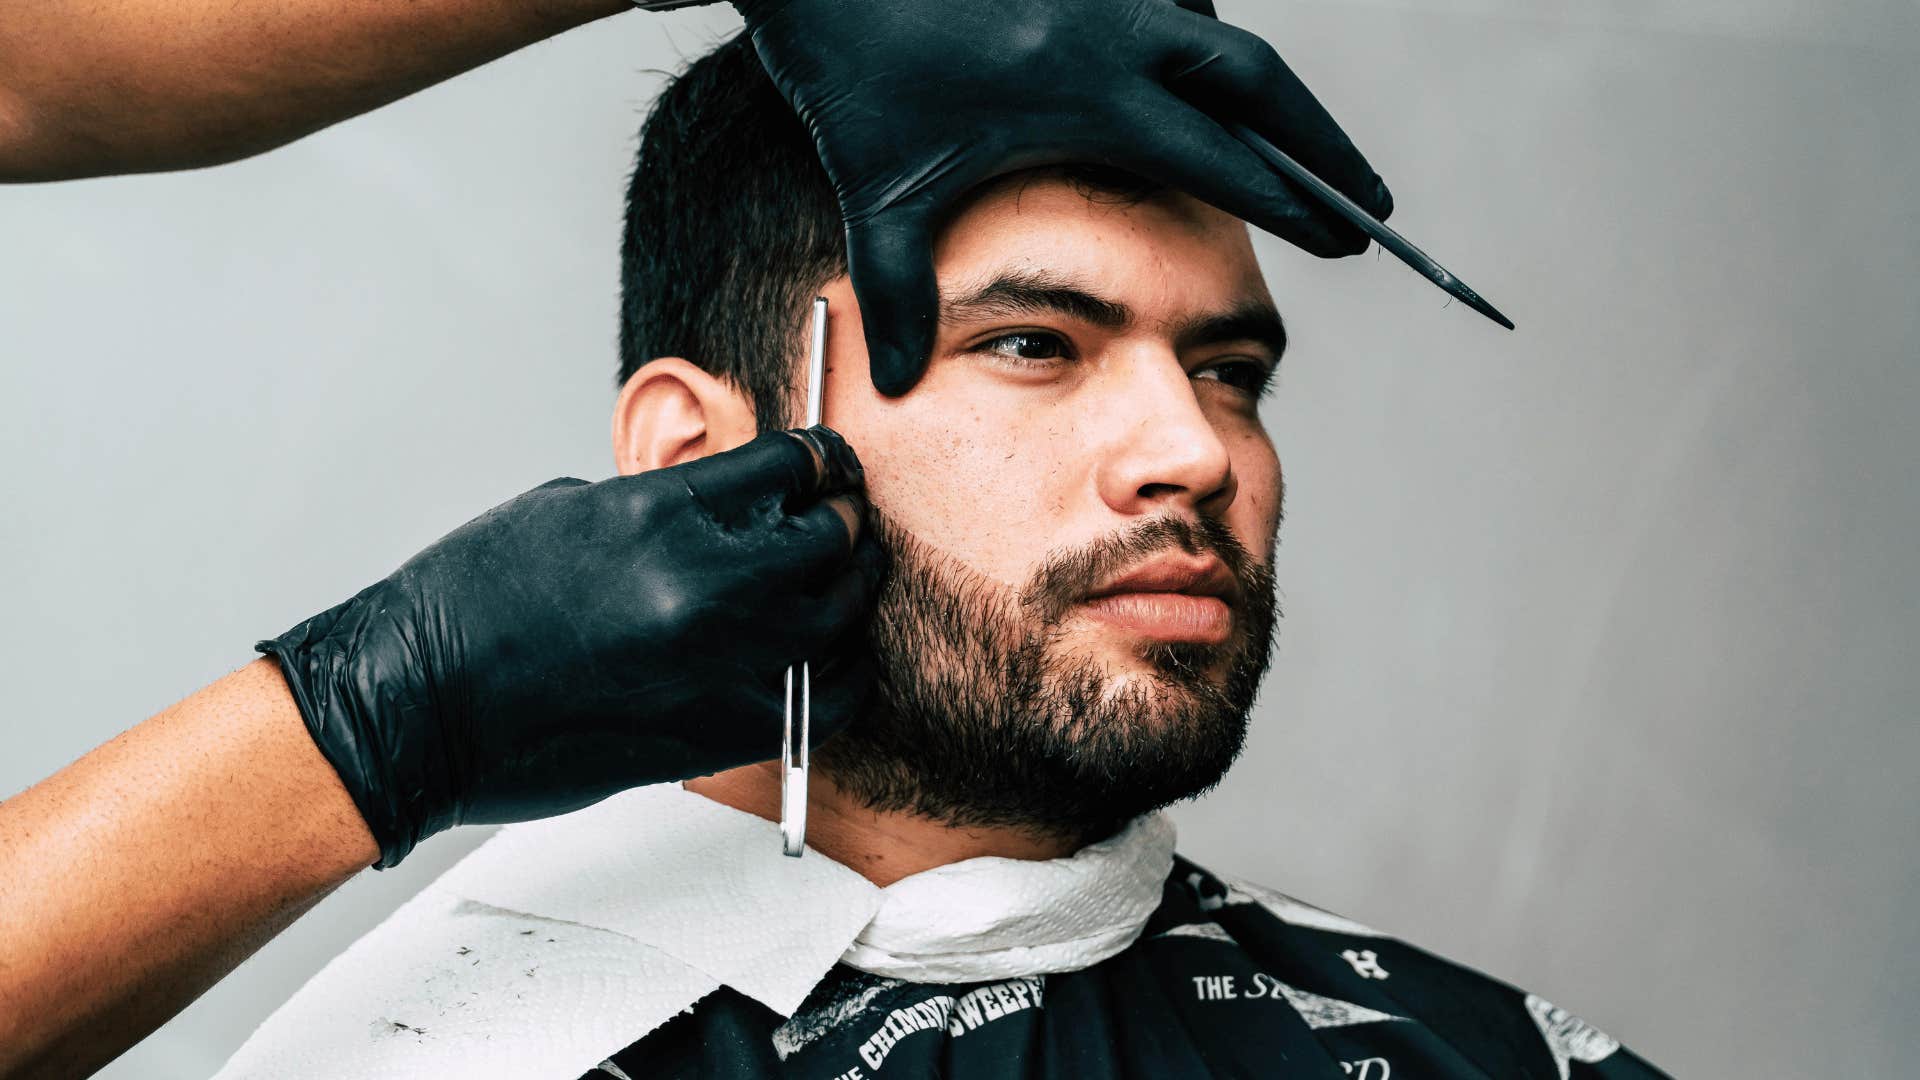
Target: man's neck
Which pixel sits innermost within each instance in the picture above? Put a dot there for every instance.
(882, 847)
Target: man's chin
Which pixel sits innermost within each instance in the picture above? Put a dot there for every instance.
(1153, 665)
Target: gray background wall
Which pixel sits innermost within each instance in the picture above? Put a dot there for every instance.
(1598, 669)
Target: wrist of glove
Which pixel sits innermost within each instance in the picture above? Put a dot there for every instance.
(369, 724)
(582, 639)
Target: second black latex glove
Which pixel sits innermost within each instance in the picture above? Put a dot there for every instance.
(582, 639)
(912, 103)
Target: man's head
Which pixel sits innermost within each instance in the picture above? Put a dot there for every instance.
(1087, 425)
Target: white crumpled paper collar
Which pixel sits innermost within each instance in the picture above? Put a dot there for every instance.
(707, 884)
(559, 942)
(992, 918)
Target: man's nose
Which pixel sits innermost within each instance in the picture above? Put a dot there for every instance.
(1162, 450)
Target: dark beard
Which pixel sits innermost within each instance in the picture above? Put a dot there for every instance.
(979, 718)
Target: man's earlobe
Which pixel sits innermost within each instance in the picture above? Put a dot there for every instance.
(671, 411)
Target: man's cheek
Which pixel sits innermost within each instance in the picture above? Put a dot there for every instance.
(957, 486)
(1260, 503)
(1267, 530)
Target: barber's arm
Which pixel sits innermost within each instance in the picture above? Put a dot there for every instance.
(573, 642)
(135, 878)
(94, 87)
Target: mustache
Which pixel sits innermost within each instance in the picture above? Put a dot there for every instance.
(1068, 576)
(1065, 578)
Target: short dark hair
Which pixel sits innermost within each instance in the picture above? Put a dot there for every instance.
(733, 226)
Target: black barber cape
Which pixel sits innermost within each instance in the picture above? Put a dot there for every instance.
(1216, 985)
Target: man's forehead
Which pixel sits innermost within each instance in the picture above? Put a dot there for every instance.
(1083, 190)
(1105, 258)
(1052, 200)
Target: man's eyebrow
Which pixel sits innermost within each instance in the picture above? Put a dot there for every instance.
(1036, 292)
(1040, 292)
(1255, 320)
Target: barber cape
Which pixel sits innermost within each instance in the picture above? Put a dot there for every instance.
(660, 934)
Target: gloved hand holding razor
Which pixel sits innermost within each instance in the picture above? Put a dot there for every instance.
(582, 639)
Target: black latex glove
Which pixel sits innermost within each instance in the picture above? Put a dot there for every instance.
(583, 639)
(913, 102)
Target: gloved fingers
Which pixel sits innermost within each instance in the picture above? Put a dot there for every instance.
(851, 509)
(844, 606)
(871, 561)
(818, 542)
(1234, 75)
(1191, 152)
(778, 464)
(842, 683)
(825, 623)
(838, 466)
(844, 668)
(890, 259)
(842, 686)
(842, 671)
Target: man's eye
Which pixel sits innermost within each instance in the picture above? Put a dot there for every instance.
(1028, 345)
(1248, 376)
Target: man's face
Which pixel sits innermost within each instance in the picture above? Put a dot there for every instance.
(1087, 425)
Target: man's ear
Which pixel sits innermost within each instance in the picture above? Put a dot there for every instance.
(671, 411)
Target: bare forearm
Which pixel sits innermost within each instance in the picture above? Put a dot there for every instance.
(107, 86)
(139, 875)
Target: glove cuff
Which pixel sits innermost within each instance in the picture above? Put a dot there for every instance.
(316, 658)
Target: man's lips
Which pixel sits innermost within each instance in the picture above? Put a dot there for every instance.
(1171, 598)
